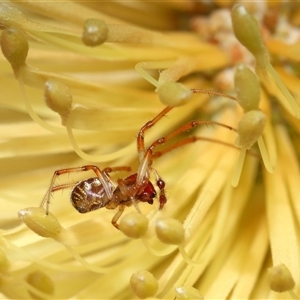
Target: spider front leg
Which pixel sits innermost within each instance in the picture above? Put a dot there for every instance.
(161, 185)
(148, 125)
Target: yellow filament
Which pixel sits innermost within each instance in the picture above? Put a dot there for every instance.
(293, 295)
(268, 137)
(264, 155)
(290, 99)
(31, 288)
(140, 68)
(187, 259)
(97, 158)
(238, 169)
(33, 114)
(44, 263)
(85, 264)
(166, 251)
(284, 247)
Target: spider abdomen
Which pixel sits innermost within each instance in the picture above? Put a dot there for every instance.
(88, 195)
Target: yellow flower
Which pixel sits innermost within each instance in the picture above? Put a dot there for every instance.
(90, 75)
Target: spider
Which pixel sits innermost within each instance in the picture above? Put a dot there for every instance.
(101, 191)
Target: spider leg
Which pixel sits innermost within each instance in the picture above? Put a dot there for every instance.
(147, 159)
(140, 137)
(108, 170)
(54, 189)
(116, 169)
(149, 124)
(150, 154)
(159, 181)
(182, 129)
(213, 93)
(117, 216)
(63, 186)
(189, 140)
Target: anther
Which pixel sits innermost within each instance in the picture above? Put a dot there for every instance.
(59, 98)
(250, 128)
(188, 293)
(173, 93)
(247, 31)
(134, 225)
(143, 284)
(247, 88)
(45, 225)
(41, 282)
(95, 32)
(14, 46)
(280, 279)
(169, 231)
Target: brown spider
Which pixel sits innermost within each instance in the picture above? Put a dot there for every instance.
(100, 191)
